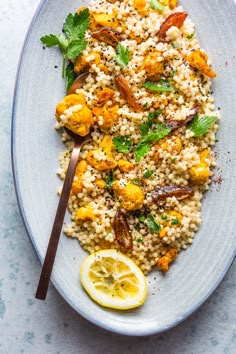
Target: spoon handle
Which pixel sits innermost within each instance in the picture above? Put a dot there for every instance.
(57, 226)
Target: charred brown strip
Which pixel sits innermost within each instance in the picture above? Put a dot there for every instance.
(174, 124)
(122, 230)
(176, 19)
(126, 92)
(180, 193)
(78, 83)
(107, 35)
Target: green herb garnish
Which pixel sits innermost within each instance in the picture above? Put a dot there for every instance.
(122, 55)
(156, 5)
(153, 225)
(141, 218)
(122, 144)
(137, 227)
(191, 36)
(144, 127)
(164, 217)
(70, 76)
(144, 146)
(162, 86)
(200, 125)
(173, 73)
(148, 174)
(175, 45)
(109, 179)
(72, 41)
(140, 239)
(136, 181)
(175, 221)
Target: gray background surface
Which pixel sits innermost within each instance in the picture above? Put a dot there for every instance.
(30, 326)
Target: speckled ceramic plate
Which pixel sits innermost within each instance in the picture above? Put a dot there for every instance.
(36, 146)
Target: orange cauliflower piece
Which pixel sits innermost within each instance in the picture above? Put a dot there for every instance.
(152, 67)
(173, 145)
(140, 6)
(125, 166)
(163, 262)
(100, 183)
(73, 112)
(132, 195)
(198, 60)
(200, 173)
(77, 185)
(109, 116)
(105, 95)
(102, 158)
(105, 20)
(172, 4)
(84, 214)
(85, 62)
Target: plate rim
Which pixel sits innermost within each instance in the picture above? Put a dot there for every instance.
(56, 284)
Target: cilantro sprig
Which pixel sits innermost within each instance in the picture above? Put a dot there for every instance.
(156, 5)
(122, 144)
(200, 125)
(144, 127)
(109, 179)
(122, 55)
(71, 42)
(163, 85)
(153, 225)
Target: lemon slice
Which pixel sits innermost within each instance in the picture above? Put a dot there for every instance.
(113, 280)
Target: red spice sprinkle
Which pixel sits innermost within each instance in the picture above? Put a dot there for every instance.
(226, 63)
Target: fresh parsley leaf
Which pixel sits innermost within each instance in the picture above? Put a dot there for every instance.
(200, 125)
(141, 149)
(76, 25)
(75, 48)
(175, 45)
(109, 179)
(164, 217)
(136, 181)
(63, 42)
(140, 239)
(173, 73)
(145, 105)
(153, 225)
(191, 36)
(122, 55)
(148, 174)
(137, 227)
(144, 127)
(144, 146)
(50, 40)
(156, 5)
(70, 76)
(162, 86)
(175, 221)
(122, 144)
(141, 218)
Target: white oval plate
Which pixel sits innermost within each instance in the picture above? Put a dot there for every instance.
(35, 150)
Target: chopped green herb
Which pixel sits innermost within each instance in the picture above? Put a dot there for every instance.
(148, 174)
(141, 218)
(191, 36)
(136, 181)
(140, 239)
(122, 55)
(173, 73)
(200, 125)
(144, 127)
(162, 86)
(70, 75)
(172, 159)
(122, 144)
(137, 227)
(175, 221)
(156, 5)
(153, 225)
(160, 131)
(164, 217)
(109, 179)
(175, 45)
(177, 97)
(72, 41)
(145, 105)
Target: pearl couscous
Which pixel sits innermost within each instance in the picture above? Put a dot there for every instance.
(148, 103)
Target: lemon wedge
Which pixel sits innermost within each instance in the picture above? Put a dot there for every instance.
(113, 280)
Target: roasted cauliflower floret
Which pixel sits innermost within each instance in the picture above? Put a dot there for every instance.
(163, 262)
(198, 60)
(172, 219)
(132, 196)
(73, 112)
(152, 67)
(200, 173)
(84, 214)
(125, 166)
(85, 61)
(109, 20)
(140, 6)
(100, 183)
(106, 116)
(173, 146)
(102, 158)
(77, 185)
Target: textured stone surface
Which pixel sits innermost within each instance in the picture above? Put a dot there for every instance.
(30, 326)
